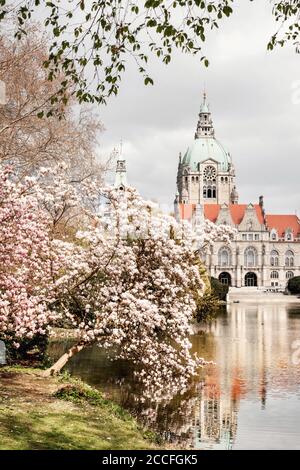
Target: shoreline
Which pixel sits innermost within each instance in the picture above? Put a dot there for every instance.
(243, 296)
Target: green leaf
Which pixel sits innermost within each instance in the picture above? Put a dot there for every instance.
(227, 10)
(148, 81)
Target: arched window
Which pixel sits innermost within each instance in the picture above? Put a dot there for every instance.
(273, 234)
(274, 275)
(224, 256)
(225, 278)
(250, 257)
(209, 192)
(274, 259)
(214, 192)
(205, 192)
(289, 274)
(288, 235)
(289, 258)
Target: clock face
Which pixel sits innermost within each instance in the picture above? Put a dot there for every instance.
(210, 172)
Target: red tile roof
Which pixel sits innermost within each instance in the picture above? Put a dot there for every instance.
(237, 212)
(283, 222)
(186, 211)
(211, 212)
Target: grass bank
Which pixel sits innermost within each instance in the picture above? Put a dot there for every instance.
(62, 413)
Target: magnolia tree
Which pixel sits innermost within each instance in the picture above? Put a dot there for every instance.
(132, 284)
(28, 266)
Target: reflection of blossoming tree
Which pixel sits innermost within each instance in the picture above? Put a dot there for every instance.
(133, 283)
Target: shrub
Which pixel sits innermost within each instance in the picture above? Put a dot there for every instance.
(294, 285)
(219, 290)
(207, 307)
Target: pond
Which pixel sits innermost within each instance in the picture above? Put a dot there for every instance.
(250, 397)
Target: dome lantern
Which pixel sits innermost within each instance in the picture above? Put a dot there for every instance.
(205, 145)
(205, 125)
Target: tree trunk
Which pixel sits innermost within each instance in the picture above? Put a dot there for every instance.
(56, 368)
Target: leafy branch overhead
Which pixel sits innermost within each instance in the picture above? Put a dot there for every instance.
(91, 41)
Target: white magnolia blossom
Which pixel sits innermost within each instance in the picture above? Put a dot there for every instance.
(132, 284)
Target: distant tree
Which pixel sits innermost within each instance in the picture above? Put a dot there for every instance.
(91, 42)
(294, 285)
(28, 142)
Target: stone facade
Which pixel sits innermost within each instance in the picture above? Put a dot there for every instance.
(266, 249)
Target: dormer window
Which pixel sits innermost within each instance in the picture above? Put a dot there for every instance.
(273, 235)
(289, 235)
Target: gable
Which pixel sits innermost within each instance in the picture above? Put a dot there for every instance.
(237, 212)
(224, 216)
(252, 219)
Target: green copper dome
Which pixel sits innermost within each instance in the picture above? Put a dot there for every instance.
(204, 148)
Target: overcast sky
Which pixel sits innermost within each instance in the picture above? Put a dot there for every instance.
(255, 102)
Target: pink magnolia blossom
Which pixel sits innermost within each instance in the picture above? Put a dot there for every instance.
(26, 262)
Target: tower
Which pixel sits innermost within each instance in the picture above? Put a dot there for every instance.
(206, 173)
(121, 175)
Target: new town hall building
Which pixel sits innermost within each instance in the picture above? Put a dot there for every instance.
(266, 249)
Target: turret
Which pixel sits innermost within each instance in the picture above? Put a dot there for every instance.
(234, 196)
(121, 175)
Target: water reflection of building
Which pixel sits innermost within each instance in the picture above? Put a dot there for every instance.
(253, 360)
(216, 424)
